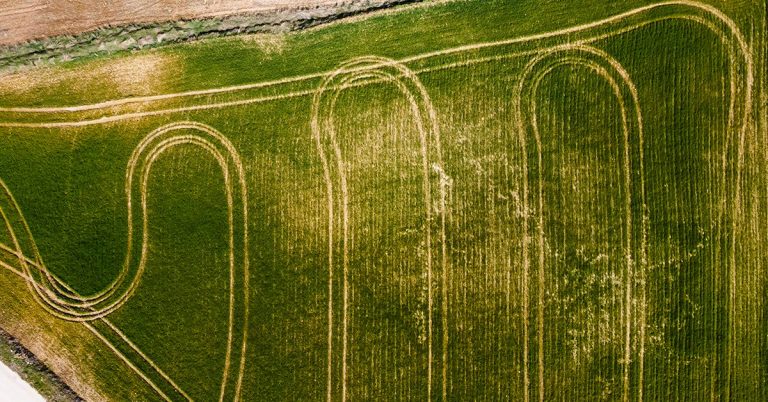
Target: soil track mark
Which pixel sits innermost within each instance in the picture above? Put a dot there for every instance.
(333, 163)
(626, 94)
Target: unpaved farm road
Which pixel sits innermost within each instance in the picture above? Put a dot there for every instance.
(23, 20)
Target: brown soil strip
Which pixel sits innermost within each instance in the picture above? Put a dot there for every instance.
(109, 35)
(24, 20)
(33, 371)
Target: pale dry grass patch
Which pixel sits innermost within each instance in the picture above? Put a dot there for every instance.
(134, 75)
(268, 44)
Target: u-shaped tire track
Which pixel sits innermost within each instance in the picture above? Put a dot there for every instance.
(62, 301)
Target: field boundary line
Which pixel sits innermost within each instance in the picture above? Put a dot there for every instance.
(132, 115)
(545, 35)
(302, 93)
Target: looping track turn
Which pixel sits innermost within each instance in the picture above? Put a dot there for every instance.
(64, 302)
(335, 174)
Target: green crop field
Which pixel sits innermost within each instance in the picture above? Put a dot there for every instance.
(467, 200)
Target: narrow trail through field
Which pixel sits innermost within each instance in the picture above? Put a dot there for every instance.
(626, 94)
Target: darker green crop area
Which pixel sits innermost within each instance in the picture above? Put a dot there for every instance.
(595, 233)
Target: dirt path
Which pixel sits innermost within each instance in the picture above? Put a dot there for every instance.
(24, 20)
(35, 35)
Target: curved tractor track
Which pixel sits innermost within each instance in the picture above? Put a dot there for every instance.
(62, 301)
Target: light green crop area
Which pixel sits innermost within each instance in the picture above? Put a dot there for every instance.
(472, 200)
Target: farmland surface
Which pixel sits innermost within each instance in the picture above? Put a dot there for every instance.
(472, 200)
